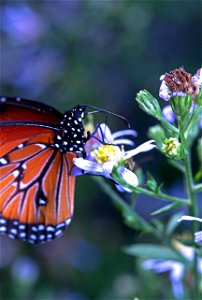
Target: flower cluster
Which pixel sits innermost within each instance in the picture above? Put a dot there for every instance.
(105, 156)
(180, 83)
(175, 268)
(172, 148)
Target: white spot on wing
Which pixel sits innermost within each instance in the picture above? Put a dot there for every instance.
(20, 146)
(22, 226)
(11, 236)
(41, 227)
(22, 234)
(42, 146)
(42, 201)
(58, 232)
(34, 228)
(60, 225)
(50, 228)
(3, 229)
(22, 185)
(3, 161)
(24, 166)
(49, 236)
(33, 236)
(68, 221)
(16, 173)
(14, 231)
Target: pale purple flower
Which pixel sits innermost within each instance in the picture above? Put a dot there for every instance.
(175, 268)
(198, 77)
(198, 234)
(179, 83)
(105, 154)
(168, 114)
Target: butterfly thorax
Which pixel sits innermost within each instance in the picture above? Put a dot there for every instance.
(70, 137)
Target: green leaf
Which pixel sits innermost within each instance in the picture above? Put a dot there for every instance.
(165, 208)
(133, 220)
(173, 223)
(152, 184)
(152, 251)
(158, 224)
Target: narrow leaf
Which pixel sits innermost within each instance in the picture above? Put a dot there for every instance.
(151, 251)
(165, 208)
(173, 223)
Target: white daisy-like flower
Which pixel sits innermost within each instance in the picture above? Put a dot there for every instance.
(106, 156)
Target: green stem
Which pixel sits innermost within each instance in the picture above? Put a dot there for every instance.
(122, 205)
(161, 195)
(197, 187)
(193, 208)
(168, 126)
(127, 211)
(156, 194)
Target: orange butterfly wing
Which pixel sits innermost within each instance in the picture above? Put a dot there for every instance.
(36, 188)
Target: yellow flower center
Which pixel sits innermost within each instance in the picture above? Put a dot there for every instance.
(107, 153)
(171, 146)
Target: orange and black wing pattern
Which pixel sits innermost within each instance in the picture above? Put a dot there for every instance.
(36, 153)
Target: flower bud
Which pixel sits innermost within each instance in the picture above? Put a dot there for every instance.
(181, 104)
(149, 104)
(172, 148)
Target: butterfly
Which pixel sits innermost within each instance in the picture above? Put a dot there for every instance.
(37, 146)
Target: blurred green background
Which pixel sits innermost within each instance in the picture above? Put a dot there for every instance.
(98, 52)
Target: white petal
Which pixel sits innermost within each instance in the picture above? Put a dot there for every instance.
(107, 167)
(168, 114)
(122, 189)
(179, 93)
(177, 271)
(128, 176)
(198, 237)
(104, 134)
(123, 142)
(158, 265)
(142, 148)
(124, 132)
(198, 77)
(162, 77)
(189, 218)
(164, 92)
(76, 171)
(87, 165)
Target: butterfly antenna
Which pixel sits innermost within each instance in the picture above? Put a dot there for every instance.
(97, 110)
